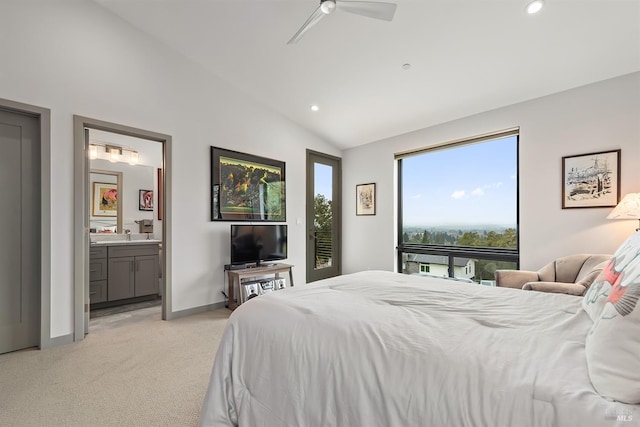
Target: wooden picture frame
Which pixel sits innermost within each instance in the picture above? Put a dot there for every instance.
(245, 187)
(145, 200)
(105, 199)
(366, 199)
(591, 180)
(160, 194)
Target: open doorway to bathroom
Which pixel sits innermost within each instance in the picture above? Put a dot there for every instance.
(125, 224)
(122, 238)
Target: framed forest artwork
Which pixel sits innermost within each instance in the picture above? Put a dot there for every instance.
(245, 187)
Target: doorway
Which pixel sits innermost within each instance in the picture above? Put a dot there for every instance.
(95, 142)
(323, 216)
(20, 234)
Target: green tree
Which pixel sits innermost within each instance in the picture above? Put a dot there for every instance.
(323, 214)
(470, 238)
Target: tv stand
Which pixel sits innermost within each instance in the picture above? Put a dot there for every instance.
(236, 276)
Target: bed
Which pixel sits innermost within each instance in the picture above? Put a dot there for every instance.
(384, 349)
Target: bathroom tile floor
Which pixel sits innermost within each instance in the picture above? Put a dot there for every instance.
(109, 311)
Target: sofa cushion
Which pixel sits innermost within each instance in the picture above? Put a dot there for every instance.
(613, 343)
(555, 287)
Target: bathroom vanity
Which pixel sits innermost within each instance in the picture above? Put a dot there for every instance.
(121, 271)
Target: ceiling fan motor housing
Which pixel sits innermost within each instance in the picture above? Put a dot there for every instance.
(327, 6)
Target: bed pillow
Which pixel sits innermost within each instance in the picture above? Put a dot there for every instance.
(596, 296)
(613, 343)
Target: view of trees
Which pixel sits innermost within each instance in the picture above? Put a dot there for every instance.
(482, 238)
(477, 238)
(322, 228)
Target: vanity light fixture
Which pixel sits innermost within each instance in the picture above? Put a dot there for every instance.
(534, 6)
(93, 151)
(114, 153)
(133, 158)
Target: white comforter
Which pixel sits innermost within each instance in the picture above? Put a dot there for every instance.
(385, 349)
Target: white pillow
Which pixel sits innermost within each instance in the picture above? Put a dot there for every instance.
(613, 343)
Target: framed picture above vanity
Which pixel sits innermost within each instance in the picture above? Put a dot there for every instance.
(105, 199)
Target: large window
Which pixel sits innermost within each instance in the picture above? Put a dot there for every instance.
(458, 208)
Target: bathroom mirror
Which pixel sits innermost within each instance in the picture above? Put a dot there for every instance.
(105, 198)
(123, 190)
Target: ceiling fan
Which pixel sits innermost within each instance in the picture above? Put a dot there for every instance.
(371, 9)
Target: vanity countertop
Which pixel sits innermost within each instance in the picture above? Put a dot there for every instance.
(125, 242)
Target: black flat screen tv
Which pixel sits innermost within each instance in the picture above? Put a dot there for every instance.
(255, 244)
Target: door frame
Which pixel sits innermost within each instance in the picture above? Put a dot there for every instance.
(43, 115)
(336, 162)
(81, 213)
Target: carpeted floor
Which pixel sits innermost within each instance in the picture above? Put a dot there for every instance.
(133, 369)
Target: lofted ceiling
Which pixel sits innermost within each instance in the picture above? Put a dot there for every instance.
(465, 56)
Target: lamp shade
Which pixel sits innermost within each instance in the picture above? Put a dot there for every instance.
(628, 208)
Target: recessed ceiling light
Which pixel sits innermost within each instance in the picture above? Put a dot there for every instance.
(314, 107)
(534, 6)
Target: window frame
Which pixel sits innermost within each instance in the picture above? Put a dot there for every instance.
(451, 252)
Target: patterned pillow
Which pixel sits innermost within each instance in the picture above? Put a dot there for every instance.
(596, 296)
(613, 343)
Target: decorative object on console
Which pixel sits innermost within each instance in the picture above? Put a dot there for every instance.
(366, 199)
(145, 200)
(246, 187)
(628, 208)
(105, 199)
(591, 180)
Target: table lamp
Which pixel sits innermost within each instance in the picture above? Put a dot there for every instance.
(628, 208)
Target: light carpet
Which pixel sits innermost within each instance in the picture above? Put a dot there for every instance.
(132, 369)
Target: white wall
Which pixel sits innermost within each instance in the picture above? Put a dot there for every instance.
(598, 117)
(74, 57)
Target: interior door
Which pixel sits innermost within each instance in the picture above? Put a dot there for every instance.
(20, 232)
(324, 203)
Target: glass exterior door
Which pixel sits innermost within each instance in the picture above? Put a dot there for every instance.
(323, 216)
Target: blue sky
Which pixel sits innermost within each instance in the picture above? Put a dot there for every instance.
(472, 184)
(322, 181)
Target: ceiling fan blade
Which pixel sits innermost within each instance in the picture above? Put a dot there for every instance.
(313, 19)
(377, 10)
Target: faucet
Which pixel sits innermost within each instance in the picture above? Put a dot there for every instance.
(128, 233)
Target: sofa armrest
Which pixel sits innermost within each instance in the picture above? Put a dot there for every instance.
(555, 287)
(515, 278)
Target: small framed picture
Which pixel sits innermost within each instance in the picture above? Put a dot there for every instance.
(146, 200)
(591, 180)
(366, 199)
(105, 199)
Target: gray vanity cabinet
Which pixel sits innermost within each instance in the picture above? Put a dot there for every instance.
(132, 271)
(97, 274)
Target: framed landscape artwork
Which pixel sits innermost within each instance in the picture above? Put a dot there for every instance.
(105, 199)
(245, 187)
(591, 180)
(366, 199)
